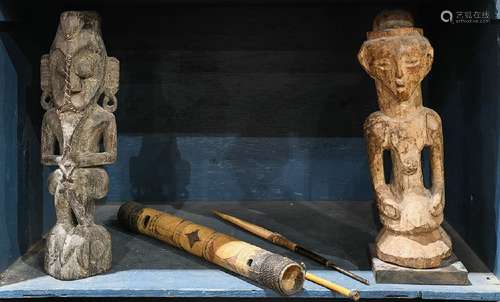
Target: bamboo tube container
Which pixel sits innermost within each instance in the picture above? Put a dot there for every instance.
(268, 269)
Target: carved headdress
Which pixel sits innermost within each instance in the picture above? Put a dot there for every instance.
(393, 23)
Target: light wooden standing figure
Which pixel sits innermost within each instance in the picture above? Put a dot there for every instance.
(397, 56)
(74, 76)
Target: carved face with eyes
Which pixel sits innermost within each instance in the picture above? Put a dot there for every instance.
(78, 71)
(399, 63)
(81, 75)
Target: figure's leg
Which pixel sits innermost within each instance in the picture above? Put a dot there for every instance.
(57, 236)
(87, 250)
(79, 195)
(64, 214)
(89, 185)
(79, 198)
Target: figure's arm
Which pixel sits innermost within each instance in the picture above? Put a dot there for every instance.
(437, 162)
(376, 162)
(48, 157)
(101, 158)
(437, 166)
(385, 199)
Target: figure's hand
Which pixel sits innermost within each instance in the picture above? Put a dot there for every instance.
(70, 167)
(437, 204)
(390, 208)
(59, 162)
(67, 166)
(387, 203)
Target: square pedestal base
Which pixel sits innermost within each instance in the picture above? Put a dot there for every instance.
(451, 272)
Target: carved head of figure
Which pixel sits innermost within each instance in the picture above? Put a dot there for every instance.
(78, 71)
(396, 55)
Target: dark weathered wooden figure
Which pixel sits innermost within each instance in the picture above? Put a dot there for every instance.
(74, 76)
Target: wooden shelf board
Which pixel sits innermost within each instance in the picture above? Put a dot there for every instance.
(144, 267)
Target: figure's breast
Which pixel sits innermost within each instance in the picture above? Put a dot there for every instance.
(407, 144)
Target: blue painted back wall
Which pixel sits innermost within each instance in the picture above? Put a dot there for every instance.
(161, 167)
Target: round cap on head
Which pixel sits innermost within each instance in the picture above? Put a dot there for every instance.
(390, 19)
(390, 23)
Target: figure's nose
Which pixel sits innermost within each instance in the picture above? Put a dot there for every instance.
(75, 83)
(399, 74)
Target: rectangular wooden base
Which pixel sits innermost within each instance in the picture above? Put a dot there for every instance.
(451, 272)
